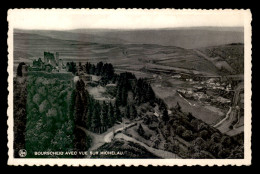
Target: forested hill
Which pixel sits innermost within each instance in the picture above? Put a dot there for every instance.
(135, 99)
(49, 111)
(228, 57)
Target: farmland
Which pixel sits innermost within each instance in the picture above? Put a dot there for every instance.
(128, 56)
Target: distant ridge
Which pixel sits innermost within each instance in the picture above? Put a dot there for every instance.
(189, 38)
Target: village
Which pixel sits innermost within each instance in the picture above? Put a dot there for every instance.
(210, 91)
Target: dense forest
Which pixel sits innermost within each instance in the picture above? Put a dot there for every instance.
(50, 116)
(44, 115)
(20, 97)
(130, 93)
(190, 137)
(205, 141)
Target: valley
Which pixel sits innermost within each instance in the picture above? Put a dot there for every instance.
(200, 90)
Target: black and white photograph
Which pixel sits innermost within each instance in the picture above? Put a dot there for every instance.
(117, 87)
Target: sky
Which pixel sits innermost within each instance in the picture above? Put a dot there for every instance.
(123, 19)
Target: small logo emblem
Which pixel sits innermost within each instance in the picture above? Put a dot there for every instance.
(22, 153)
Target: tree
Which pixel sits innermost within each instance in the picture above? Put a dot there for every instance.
(92, 69)
(61, 141)
(52, 113)
(80, 66)
(119, 95)
(104, 117)
(111, 117)
(215, 137)
(140, 130)
(44, 106)
(87, 68)
(215, 148)
(178, 107)
(72, 67)
(19, 69)
(204, 134)
(79, 109)
(124, 95)
(224, 153)
(89, 116)
(199, 142)
(127, 111)
(150, 94)
(133, 112)
(165, 116)
(195, 123)
(95, 122)
(37, 99)
(180, 129)
(226, 141)
(190, 116)
(110, 71)
(237, 153)
(202, 126)
(187, 135)
(117, 113)
(99, 68)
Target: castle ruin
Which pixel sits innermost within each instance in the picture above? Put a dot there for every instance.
(50, 62)
(49, 58)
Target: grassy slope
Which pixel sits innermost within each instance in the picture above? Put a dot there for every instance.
(126, 56)
(231, 54)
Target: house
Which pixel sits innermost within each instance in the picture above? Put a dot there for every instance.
(176, 76)
(223, 100)
(156, 114)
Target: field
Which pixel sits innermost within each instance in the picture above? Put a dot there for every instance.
(166, 89)
(123, 54)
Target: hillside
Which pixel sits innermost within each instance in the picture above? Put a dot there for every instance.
(123, 56)
(75, 36)
(126, 51)
(229, 57)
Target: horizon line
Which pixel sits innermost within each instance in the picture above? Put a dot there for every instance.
(165, 28)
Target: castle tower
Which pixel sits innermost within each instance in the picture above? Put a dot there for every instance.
(45, 57)
(60, 64)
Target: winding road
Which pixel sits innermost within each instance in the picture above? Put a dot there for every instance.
(158, 152)
(106, 137)
(99, 139)
(224, 119)
(231, 115)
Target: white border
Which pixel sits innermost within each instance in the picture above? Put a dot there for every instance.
(245, 16)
